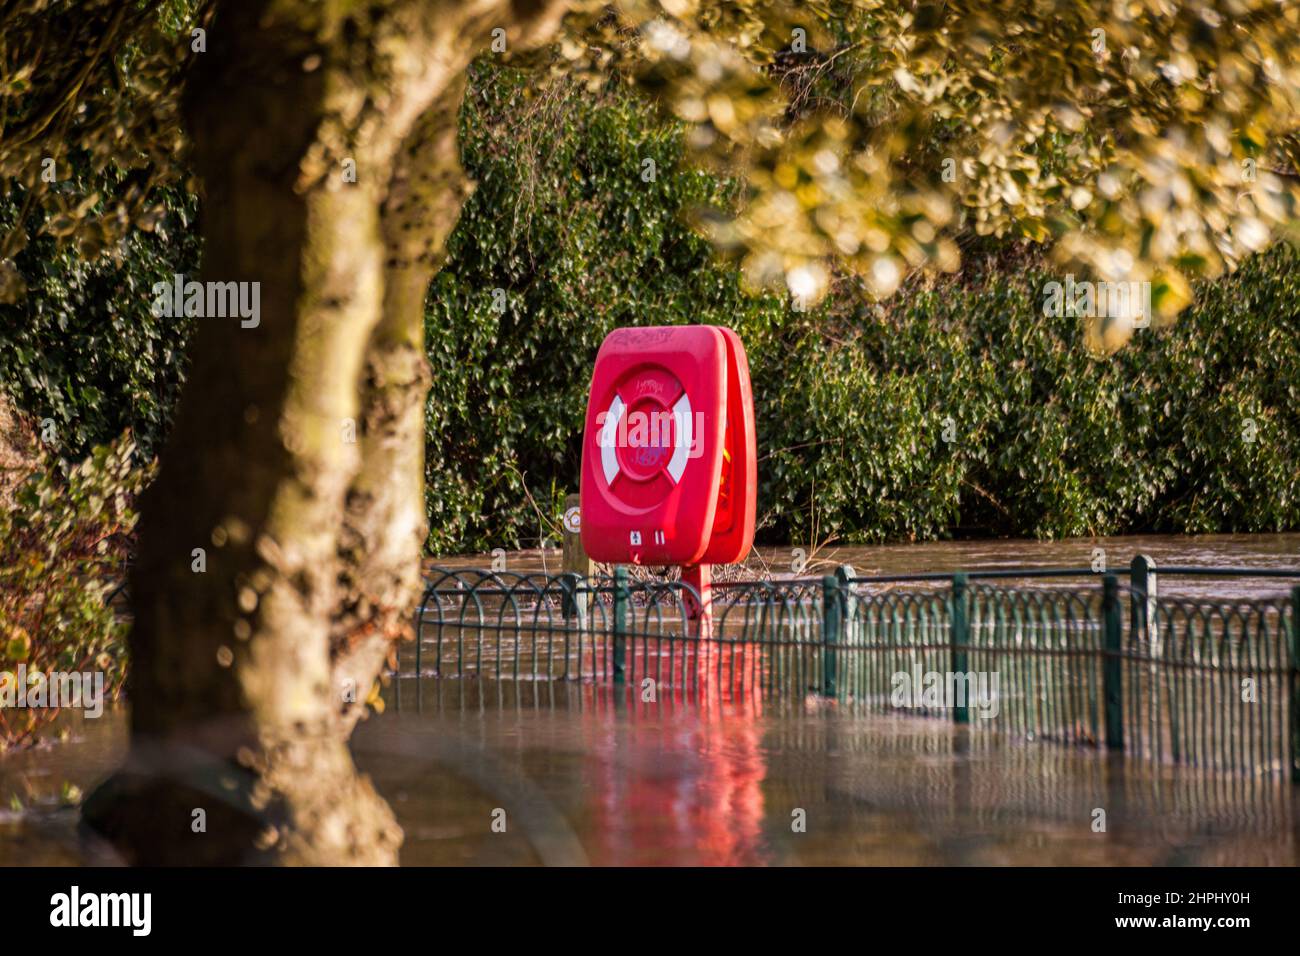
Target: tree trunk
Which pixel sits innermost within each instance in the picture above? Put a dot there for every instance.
(384, 524)
(272, 562)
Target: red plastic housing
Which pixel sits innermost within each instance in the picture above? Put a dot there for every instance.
(668, 453)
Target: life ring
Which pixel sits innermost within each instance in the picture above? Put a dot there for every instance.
(645, 462)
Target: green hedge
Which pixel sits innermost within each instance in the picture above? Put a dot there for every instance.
(82, 350)
(1195, 428)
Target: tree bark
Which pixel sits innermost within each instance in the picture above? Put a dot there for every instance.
(311, 547)
(384, 522)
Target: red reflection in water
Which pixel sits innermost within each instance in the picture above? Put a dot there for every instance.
(683, 774)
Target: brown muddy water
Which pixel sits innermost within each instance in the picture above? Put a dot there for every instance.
(1259, 551)
(582, 774)
(585, 775)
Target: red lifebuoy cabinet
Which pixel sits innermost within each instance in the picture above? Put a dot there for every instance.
(668, 455)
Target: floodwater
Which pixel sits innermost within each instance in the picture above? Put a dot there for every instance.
(589, 775)
(566, 774)
(1259, 551)
(570, 773)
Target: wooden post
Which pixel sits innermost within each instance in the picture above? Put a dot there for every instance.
(577, 566)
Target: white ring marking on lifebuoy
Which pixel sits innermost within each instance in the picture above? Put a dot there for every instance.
(683, 420)
(609, 439)
(683, 436)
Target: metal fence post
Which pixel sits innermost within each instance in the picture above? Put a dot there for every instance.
(1144, 631)
(621, 595)
(848, 636)
(1112, 667)
(573, 601)
(1142, 581)
(844, 576)
(960, 641)
(1295, 685)
(832, 618)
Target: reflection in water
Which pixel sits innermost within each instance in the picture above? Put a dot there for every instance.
(36, 827)
(689, 787)
(671, 782)
(585, 774)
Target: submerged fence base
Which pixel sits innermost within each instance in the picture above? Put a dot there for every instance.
(1211, 684)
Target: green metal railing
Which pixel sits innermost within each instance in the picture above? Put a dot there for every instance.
(1051, 654)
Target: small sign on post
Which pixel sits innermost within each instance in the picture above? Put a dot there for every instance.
(576, 562)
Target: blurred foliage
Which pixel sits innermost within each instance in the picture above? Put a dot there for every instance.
(62, 552)
(853, 397)
(1151, 140)
(580, 235)
(95, 210)
(1144, 139)
(92, 86)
